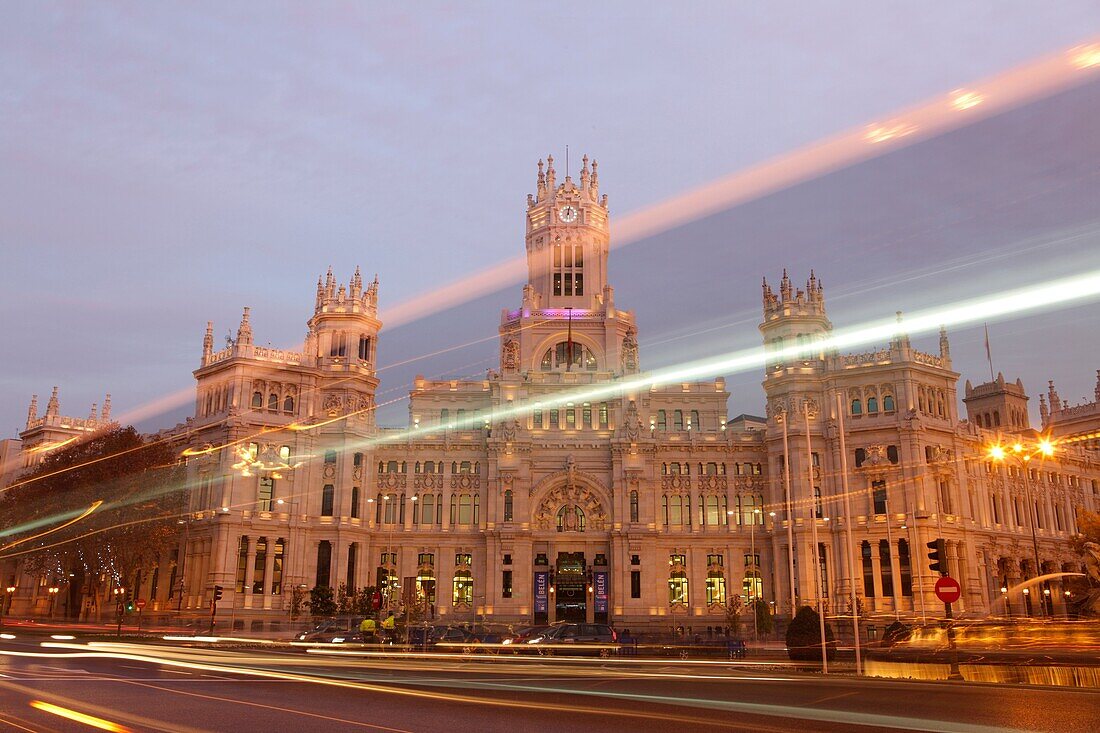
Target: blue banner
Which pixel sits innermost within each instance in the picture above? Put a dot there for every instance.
(601, 592)
(542, 587)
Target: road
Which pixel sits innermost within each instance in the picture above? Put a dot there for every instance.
(168, 686)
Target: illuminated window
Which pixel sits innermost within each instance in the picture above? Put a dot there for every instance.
(677, 588)
(633, 506)
(603, 415)
(463, 594)
(508, 505)
(716, 589)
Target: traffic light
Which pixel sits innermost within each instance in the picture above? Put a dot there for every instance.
(217, 593)
(938, 556)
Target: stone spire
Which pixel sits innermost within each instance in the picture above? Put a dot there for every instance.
(208, 342)
(93, 416)
(785, 286)
(594, 182)
(32, 411)
(107, 408)
(1052, 396)
(585, 175)
(244, 331)
(551, 177)
(356, 284)
(1044, 411)
(320, 294)
(1096, 392)
(945, 347)
(902, 338)
(52, 407)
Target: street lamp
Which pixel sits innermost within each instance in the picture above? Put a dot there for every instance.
(53, 590)
(6, 600)
(1022, 456)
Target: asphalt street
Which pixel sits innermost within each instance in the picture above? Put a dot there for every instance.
(171, 687)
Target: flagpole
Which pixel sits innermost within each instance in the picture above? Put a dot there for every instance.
(989, 355)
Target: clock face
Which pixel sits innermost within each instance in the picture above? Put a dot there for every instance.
(567, 213)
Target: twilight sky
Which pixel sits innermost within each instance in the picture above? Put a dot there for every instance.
(164, 166)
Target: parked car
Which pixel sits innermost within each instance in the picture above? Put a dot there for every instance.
(574, 638)
(340, 630)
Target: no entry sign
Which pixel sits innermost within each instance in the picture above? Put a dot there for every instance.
(141, 603)
(948, 589)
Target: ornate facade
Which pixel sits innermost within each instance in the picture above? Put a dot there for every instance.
(567, 485)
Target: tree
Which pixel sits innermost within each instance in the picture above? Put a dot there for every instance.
(734, 606)
(765, 624)
(97, 512)
(343, 600)
(321, 602)
(804, 637)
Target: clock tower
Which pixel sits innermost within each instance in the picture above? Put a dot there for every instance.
(567, 239)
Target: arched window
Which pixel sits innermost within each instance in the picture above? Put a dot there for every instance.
(324, 564)
(463, 594)
(716, 588)
(857, 408)
(273, 401)
(872, 405)
(568, 355)
(752, 587)
(634, 506)
(997, 418)
(868, 569)
(257, 400)
(677, 588)
(328, 495)
(574, 523)
(288, 403)
(364, 348)
(887, 403)
(508, 505)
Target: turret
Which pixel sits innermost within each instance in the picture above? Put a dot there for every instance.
(107, 408)
(32, 411)
(244, 331)
(53, 408)
(945, 348)
(568, 239)
(344, 327)
(795, 317)
(208, 342)
(1052, 397)
(93, 416)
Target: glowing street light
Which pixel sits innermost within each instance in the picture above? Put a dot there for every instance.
(1022, 455)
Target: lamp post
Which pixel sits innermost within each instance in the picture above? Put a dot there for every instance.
(782, 419)
(53, 590)
(5, 600)
(1021, 456)
(1004, 597)
(755, 572)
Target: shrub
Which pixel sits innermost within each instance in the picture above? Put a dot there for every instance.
(804, 637)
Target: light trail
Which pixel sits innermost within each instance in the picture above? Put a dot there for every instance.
(13, 530)
(960, 107)
(943, 113)
(1062, 292)
(84, 718)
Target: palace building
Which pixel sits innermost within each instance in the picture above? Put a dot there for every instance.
(565, 486)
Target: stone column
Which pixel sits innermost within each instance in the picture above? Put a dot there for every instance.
(876, 572)
(269, 571)
(250, 571)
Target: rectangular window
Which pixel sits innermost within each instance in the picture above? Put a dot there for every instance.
(328, 498)
(586, 415)
(568, 283)
(463, 558)
(553, 418)
(557, 283)
(603, 414)
(879, 491)
(662, 420)
(266, 493)
(355, 502)
(635, 583)
(330, 456)
(578, 284)
(506, 584)
(717, 560)
(571, 418)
